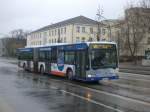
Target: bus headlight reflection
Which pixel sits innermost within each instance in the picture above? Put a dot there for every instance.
(88, 96)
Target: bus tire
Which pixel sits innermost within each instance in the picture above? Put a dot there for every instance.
(69, 74)
(42, 69)
(24, 66)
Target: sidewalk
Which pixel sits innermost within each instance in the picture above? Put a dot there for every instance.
(132, 68)
(5, 106)
(127, 65)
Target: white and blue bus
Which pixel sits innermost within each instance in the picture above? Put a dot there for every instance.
(88, 61)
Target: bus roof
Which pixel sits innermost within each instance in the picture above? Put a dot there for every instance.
(60, 44)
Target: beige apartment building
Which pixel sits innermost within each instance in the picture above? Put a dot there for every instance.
(116, 30)
(78, 29)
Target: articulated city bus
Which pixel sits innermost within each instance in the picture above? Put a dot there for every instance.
(89, 61)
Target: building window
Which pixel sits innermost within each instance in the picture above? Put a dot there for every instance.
(3, 49)
(83, 39)
(65, 30)
(103, 31)
(45, 34)
(49, 33)
(52, 32)
(49, 41)
(36, 35)
(61, 30)
(90, 39)
(78, 29)
(91, 30)
(83, 29)
(40, 35)
(55, 32)
(58, 32)
(52, 40)
(61, 40)
(64, 39)
(148, 40)
(77, 39)
(55, 40)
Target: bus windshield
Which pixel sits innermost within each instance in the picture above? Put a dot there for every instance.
(103, 58)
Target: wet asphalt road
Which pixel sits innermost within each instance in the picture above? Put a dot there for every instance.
(21, 91)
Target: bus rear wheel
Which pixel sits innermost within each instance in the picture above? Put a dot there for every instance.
(70, 74)
(42, 70)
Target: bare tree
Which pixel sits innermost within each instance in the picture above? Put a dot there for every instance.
(145, 3)
(19, 33)
(136, 25)
(99, 15)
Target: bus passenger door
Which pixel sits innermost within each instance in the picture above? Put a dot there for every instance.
(80, 64)
(47, 61)
(35, 59)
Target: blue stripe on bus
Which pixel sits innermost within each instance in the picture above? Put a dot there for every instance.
(45, 49)
(75, 47)
(92, 79)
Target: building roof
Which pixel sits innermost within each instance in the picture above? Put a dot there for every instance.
(78, 19)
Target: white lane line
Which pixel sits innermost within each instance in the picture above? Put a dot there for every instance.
(89, 100)
(109, 94)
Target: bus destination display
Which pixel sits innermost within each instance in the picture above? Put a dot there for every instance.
(102, 46)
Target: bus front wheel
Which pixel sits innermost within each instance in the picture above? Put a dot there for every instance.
(70, 74)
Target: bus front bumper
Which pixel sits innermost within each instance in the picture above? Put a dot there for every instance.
(90, 79)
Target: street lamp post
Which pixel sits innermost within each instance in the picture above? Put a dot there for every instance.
(109, 26)
(99, 15)
(99, 30)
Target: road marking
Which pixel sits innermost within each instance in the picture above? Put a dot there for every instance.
(109, 94)
(89, 100)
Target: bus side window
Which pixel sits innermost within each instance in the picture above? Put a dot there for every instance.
(60, 58)
(54, 55)
(19, 57)
(41, 56)
(48, 55)
(70, 57)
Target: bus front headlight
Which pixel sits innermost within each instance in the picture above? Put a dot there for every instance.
(89, 75)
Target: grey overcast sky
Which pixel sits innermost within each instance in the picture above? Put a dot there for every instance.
(33, 14)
